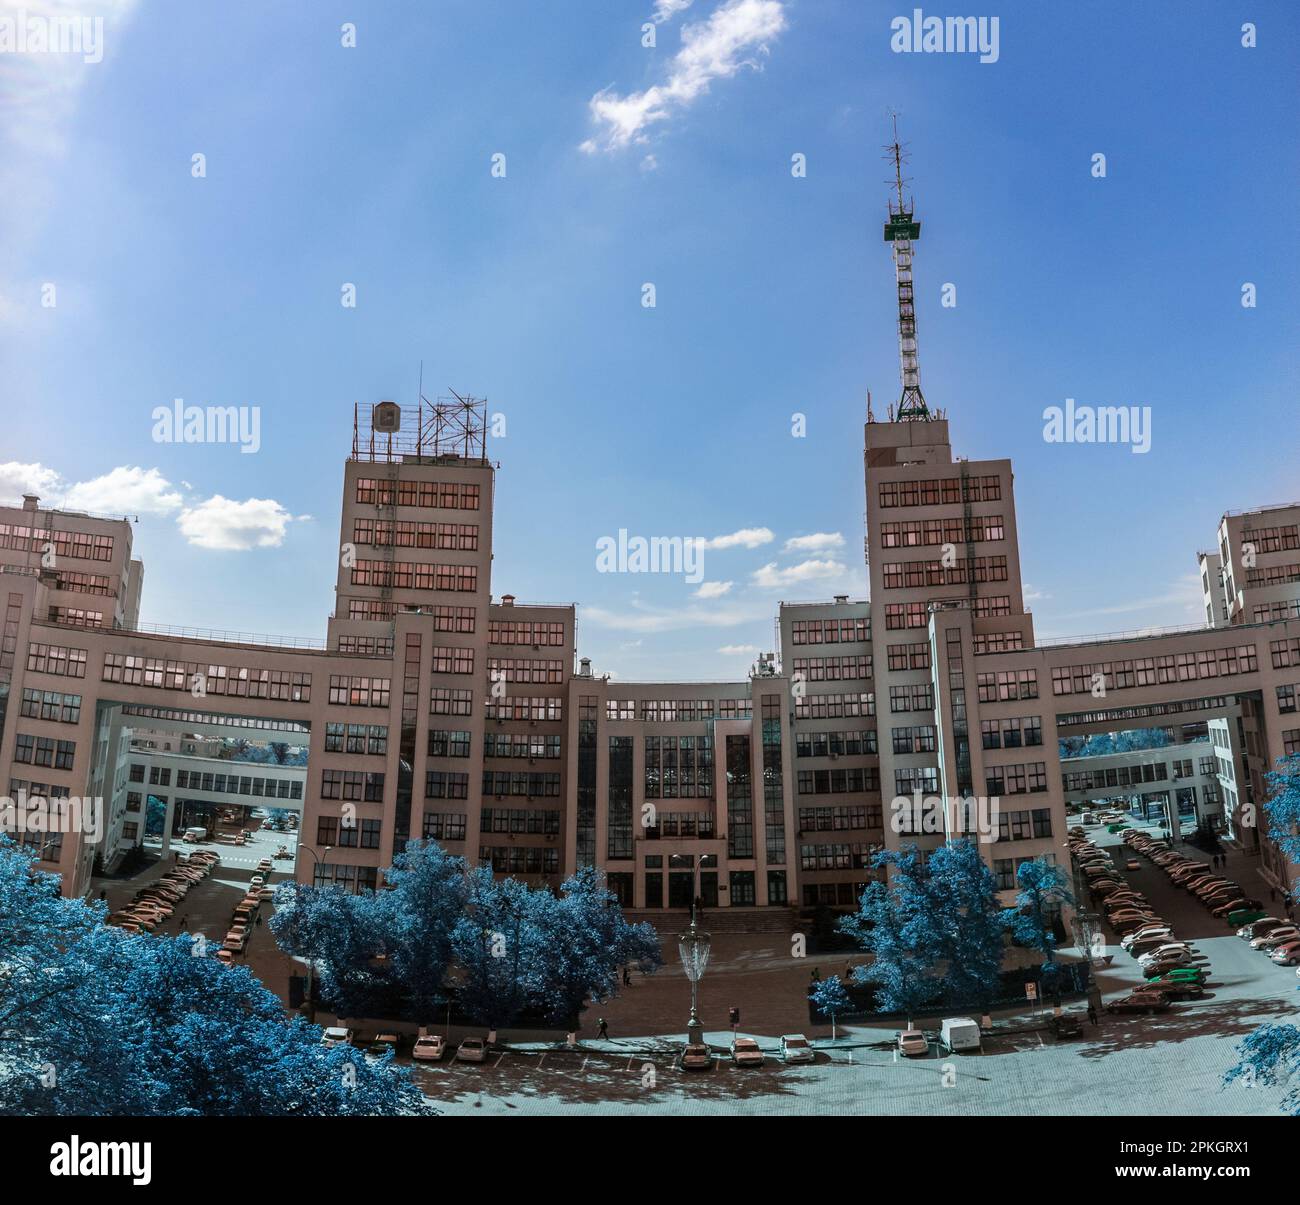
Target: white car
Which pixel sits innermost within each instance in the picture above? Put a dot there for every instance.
(336, 1035)
(912, 1043)
(1275, 937)
(471, 1050)
(429, 1047)
(745, 1052)
(796, 1049)
(1129, 940)
(1178, 956)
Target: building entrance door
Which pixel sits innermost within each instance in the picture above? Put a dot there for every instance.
(681, 884)
(709, 888)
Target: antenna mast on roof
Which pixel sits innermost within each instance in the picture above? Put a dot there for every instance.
(902, 231)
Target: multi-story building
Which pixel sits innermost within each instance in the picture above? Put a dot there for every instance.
(433, 711)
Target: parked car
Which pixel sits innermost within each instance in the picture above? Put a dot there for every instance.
(1144, 1000)
(1177, 989)
(745, 1052)
(337, 1035)
(1166, 962)
(1181, 975)
(1275, 937)
(1148, 945)
(1132, 864)
(796, 1049)
(383, 1045)
(472, 1050)
(912, 1043)
(1260, 926)
(1287, 954)
(429, 1048)
(1128, 940)
(695, 1057)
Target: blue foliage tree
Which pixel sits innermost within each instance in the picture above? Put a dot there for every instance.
(1043, 888)
(1271, 1054)
(895, 925)
(584, 940)
(934, 930)
(831, 998)
(96, 1021)
(496, 943)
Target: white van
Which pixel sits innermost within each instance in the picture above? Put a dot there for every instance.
(195, 834)
(959, 1033)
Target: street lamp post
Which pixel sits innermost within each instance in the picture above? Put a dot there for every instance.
(693, 948)
(311, 963)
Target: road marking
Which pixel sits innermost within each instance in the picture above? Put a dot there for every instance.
(498, 1062)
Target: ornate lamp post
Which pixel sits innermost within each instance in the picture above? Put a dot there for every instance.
(693, 949)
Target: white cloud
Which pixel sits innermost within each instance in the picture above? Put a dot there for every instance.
(713, 589)
(818, 541)
(1034, 594)
(230, 526)
(769, 577)
(125, 490)
(666, 10)
(736, 650)
(18, 479)
(746, 537)
(714, 49)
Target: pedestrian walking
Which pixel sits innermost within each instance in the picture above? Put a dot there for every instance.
(627, 977)
(259, 920)
(1092, 1013)
(185, 923)
(603, 1031)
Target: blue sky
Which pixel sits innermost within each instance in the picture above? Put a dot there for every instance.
(371, 165)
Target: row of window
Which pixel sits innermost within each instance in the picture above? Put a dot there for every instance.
(932, 532)
(917, 614)
(842, 744)
(919, 697)
(1123, 776)
(833, 669)
(545, 785)
(849, 856)
(60, 660)
(679, 767)
(205, 678)
(446, 495)
(850, 780)
(678, 710)
(360, 834)
(1011, 732)
(83, 583)
(78, 545)
(517, 744)
(50, 705)
(44, 751)
(415, 575)
(367, 646)
(909, 656)
(673, 825)
(518, 707)
(232, 784)
(381, 533)
(520, 820)
(838, 819)
(356, 690)
(535, 670)
(356, 738)
(525, 631)
(1148, 671)
(911, 574)
(1007, 685)
(1026, 779)
(76, 617)
(355, 786)
(944, 491)
(835, 707)
(831, 631)
(520, 859)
